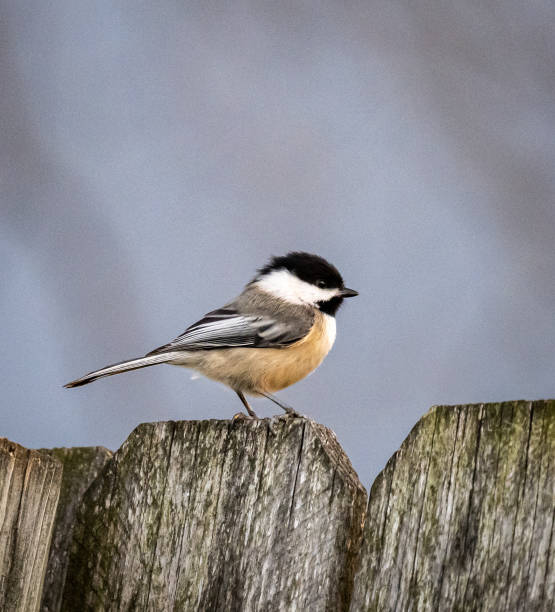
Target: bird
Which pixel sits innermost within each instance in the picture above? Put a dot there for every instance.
(276, 332)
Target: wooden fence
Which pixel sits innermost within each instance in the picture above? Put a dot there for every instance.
(219, 515)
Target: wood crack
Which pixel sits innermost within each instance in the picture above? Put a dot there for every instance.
(46, 496)
(521, 492)
(495, 484)
(299, 460)
(189, 502)
(424, 493)
(548, 557)
(470, 496)
(451, 485)
(543, 437)
(262, 467)
(160, 514)
(223, 462)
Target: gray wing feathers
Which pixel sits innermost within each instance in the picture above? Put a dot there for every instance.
(280, 332)
(254, 319)
(260, 332)
(229, 331)
(271, 325)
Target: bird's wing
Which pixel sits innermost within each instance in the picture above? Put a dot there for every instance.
(228, 328)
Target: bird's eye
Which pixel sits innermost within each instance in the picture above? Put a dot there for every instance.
(321, 284)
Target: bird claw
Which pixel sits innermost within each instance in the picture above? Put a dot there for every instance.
(273, 421)
(241, 416)
(292, 413)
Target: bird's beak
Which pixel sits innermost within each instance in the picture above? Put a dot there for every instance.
(348, 293)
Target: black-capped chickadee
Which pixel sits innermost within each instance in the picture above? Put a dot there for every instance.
(272, 335)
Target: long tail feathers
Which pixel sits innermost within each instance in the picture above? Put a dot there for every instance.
(118, 368)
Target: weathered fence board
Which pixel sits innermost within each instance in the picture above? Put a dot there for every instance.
(29, 489)
(219, 515)
(462, 516)
(81, 466)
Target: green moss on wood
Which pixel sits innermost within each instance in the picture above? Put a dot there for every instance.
(81, 465)
(462, 516)
(219, 515)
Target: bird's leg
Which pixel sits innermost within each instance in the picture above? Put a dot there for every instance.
(251, 412)
(290, 411)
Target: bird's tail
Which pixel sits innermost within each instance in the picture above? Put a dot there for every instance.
(118, 368)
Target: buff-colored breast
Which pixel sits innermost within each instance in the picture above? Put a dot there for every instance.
(266, 370)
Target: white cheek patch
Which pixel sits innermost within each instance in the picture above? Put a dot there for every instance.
(282, 284)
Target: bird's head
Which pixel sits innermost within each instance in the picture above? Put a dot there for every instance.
(304, 278)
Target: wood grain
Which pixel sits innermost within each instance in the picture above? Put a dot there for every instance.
(81, 465)
(219, 515)
(29, 489)
(462, 516)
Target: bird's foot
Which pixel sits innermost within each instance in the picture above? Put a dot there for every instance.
(291, 413)
(277, 418)
(241, 416)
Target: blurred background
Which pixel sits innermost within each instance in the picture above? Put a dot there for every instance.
(155, 154)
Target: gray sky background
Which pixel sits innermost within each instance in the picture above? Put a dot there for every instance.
(153, 155)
